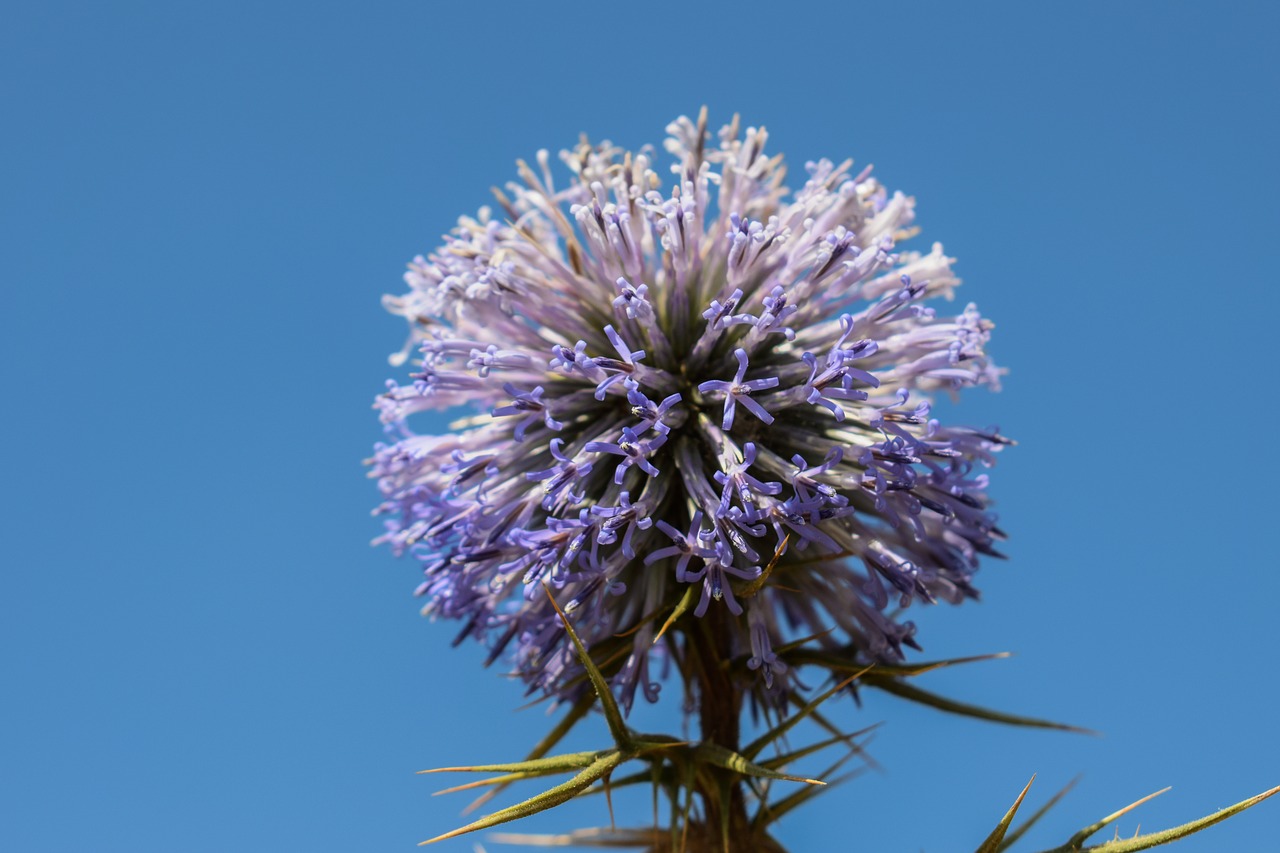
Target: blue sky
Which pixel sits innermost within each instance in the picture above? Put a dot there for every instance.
(203, 203)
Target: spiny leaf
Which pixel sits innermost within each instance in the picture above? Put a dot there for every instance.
(640, 623)
(1022, 828)
(505, 779)
(1080, 837)
(1155, 839)
(645, 743)
(821, 719)
(756, 746)
(951, 706)
(547, 799)
(612, 650)
(831, 727)
(690, 772)
(767, 813)
(665, 778)
(783, 650)
(612, 714)
(776, 811)
(907, 670)
(755, 584)
(846, 663)
(992, 843)
(562, 728)
(608, 798)
(786, 758)
(553, 764)
(578, 710)
(730, 760)
(656, 769)
(685, 602)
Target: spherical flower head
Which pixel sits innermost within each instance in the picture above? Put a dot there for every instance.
(704, 395)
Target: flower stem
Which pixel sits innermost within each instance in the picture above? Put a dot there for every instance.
(719, 715)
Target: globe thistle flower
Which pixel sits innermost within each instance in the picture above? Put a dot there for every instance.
(705, 390)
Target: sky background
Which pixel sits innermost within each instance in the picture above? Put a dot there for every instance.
(201, 205)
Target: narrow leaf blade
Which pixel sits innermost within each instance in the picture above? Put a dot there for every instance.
(552, 764)
(992, 842)
(730, 760)
(757, 746)
(1080, 837)
(685, 602)
(964, 709)
(557, 733)
(1025, 826)
(780, 761)
(547, 799)
(844, 662)
(612, 713)
(1155, 839)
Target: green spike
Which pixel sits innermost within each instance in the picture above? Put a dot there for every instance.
(636, 778)
(553, 764)
(577, 711)
(768, 813)
(685, 602)
(1022, 828)
(610, 649)
(643, 743)
(757, 583)
(608, 798)
(656, 769)
(786, 649)
(1077, 841)
(728, 759)
(547, 799)
(756, 746)
(992, 843)
(776, 811)
(1155, 839)
(562, 728)
(822, 721)
(951, 706)
(846, 663)
(612, 714)
(690, 772)
(505, 779)
(783, 760)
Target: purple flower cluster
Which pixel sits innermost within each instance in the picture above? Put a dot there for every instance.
(681, 388)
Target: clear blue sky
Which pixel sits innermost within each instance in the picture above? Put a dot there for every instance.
(201, 205)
